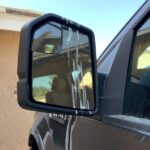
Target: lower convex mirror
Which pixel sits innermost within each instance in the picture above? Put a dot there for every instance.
(62, 66)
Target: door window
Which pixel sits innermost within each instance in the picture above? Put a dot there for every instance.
(137, 95)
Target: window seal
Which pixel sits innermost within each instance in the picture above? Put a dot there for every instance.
(131, 123)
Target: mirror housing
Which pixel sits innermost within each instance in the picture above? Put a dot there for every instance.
(25, 66)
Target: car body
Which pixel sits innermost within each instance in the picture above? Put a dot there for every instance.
(122, 122)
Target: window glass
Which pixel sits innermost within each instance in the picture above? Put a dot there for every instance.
(137, 96)
(143, 60)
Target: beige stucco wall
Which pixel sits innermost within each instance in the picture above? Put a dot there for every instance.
(14, 121)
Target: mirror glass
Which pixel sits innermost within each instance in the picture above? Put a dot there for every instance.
(61, 67)
(47, 38)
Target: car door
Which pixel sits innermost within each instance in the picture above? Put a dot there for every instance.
(123, 77)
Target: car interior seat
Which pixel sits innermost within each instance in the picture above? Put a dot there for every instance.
(58, 95)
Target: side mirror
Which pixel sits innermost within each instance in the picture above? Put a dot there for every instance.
(57, 67)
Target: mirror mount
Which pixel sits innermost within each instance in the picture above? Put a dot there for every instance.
(27, 65)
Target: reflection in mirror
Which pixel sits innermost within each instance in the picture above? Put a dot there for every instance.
(48, 48)
(61, 67)
(47, 38)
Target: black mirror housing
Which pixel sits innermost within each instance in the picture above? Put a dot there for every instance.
(25, 67)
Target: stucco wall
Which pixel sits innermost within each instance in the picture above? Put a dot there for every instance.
(14, 121)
